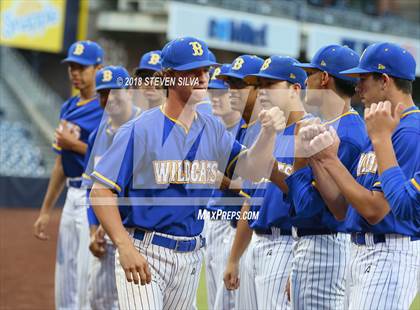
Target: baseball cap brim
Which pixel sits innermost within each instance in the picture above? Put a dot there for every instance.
(146, 68)
(110, 86)
(253, 78)
(227, 75)
(306, 66)
(80, 61)
(195, 65)
(217, 85)
(354, 72)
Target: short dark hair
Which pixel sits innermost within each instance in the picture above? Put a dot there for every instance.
(402, 85)
(344, 87)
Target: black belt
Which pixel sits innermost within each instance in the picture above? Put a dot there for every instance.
(172, 244)
(283, 232)
(360, 238)
(301, 232)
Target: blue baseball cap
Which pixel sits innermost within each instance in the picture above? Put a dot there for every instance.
(186, 54)
(242, 66)
(386, 58)
(150, 61)
(86, 53)
(111, 77)
(280, 68)
(334, 59)
(215, 82)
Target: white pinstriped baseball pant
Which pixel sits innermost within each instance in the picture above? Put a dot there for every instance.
(175, 278)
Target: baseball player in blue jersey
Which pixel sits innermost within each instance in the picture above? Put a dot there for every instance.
(164, 161)
(118, 110)
(321, 250)
(270, 255)
(149, 64)
(218, 232)
(243, 98)
(402, 194)
(79, 116)
(384, 257)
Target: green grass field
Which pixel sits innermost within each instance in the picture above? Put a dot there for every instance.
(202, 294)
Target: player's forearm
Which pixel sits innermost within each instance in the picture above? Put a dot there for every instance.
(368, 204)
(242, 238)
(385, 154)
(79, 147)
(258, 161)
(55, 186)
(329, 191)
(104, 203)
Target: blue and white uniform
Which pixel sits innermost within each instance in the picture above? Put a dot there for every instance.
(165, 169)
(385, 257)
(102, 290)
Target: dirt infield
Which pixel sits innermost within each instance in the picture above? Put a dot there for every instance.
(26, 264)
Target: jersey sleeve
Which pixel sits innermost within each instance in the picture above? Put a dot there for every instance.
(228, 151)
(115, 169)
(407, 152)
(403, 194)
(303, 195)
(89, 160)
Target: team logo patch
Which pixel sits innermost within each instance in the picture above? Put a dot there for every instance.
(381, 67)
(107, 76)
(215, 73)
(292, 76)
(367, 164)
(238, 63)
(79, 49)
(323, 63)
(154, 59)
(185, 171)
(266, 64)
(197, 48)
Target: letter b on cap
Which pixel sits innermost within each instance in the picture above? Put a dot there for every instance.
(79, 49)
(154, 59)
(197, 48)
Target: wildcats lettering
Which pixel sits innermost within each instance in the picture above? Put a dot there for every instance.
(185, 171)
(367, 164)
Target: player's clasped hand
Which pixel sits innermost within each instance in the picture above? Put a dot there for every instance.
(40, 226)
(134, 264)
(380, 121)
(306, 131)
(66, 137)
(97, 243)
(231, 276)
(272, 119)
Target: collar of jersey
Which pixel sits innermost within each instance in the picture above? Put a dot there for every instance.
(410, 110)
(178, 122)
(250, 124)
(84, 102)
(350, 112)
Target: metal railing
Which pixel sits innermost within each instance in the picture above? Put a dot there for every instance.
(41, 103)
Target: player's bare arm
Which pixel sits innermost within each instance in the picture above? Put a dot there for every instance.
(55, 187)
(241, 241)
(372, 205)
(134, 264)
(258, 161)
(381, 122)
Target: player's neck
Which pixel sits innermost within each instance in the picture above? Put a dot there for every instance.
(294, 112)
(335, 106)
(179, 110)
(231, 119)
(399, 97)
(87, 93)
(118, 120)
